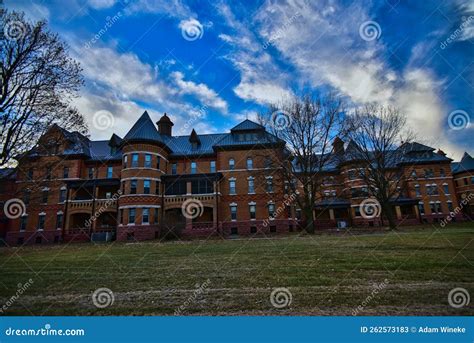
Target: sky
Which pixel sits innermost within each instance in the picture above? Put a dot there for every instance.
(212, 64)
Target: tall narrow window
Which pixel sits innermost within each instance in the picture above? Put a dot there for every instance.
(26, 197)
(125, 160)
(442, 173)
(213, 167)
(49, 173)
(131, 216)
(65, 172)
(147, 161)
(193, 167)
(110, 172)
(146, 186)
(251, 186)
(269, 184)
(252, 209)
(158, 160)
(41, 218)
(174, 169)
(133, 187)
(417, 190)
(450, 206)
(271, 210)
(421, 208)
(145, 215)
(156, 215)
(62, 195)
(446, 188)
(233, 212)
(249, 163)
(44, 196)
(231, 164)
(232, 187)
(433, 207)
(121, 216)
(23, 222)
(134, 160)
(90, 172)
(59, 220)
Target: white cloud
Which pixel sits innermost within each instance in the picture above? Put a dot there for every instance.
(101, 4)
(206, 96)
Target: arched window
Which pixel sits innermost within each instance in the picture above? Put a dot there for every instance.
(231, 164)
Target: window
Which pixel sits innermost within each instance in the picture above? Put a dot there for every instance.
(271, 210)
(252, 209)
(231, 164)
(90, 173)
(249, 163)
(446, 188)
(176, 188)
(156, 215)
(44, 197)
(417, 190)
(125, 160)
(351, 175)
(472, 180)
(23, 222)
(232, 187)
(268, 162)
(251, 186)
(134, 160)
(413, 174)
(65, 172)
(269, 184)
(147, 161)
(288, 211)
(174, 168)
(193, 167)
(202, 187)
(133, 187)
(146, 187)
(121, 216)
(110, 172)
(357, 211)
(41, 218)
(432, 189)
(131, 216)
(145, 215)
(438, 207)
(429, 173)
(157, 187)
(233, 212)
(466, 181)
(421, 208)
(59, 220)
(442, 173)
(432, 207)
(158, 160)
(62, 195)
(26, 197)
(48, 173)
(213, 167)
(108, 195)
(30, 174)
(298, 213)
(450, 206)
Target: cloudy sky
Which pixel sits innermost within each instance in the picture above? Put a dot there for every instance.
(223, 61)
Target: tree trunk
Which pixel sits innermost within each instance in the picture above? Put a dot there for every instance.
(388, 212)
(310, 223)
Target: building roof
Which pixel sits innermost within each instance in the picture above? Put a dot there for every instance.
(466, 164)
(247, 125)
(144, 130)
(182, 146)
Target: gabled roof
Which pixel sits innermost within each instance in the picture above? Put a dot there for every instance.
(115, 141)
(101, 150)
(247, 125)
(194, 138)
(466, 164)
(144, 130)
(415, 147)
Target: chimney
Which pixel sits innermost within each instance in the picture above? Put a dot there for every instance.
(164, 125)
(338, 146)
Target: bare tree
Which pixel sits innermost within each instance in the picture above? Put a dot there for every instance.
(376, 133)
(309, 125)
(38, 81)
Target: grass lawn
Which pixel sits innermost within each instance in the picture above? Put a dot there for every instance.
(413, 269)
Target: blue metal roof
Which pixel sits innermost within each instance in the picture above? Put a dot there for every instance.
(466, 164)
(247, 125)
(144, 130)
(181, 146)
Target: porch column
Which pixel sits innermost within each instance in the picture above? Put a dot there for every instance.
(417, 213)
(399, 212)
(331, 214)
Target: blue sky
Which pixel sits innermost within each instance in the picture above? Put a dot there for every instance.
(211, 64)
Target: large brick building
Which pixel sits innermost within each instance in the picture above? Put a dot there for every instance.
(150, 184)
